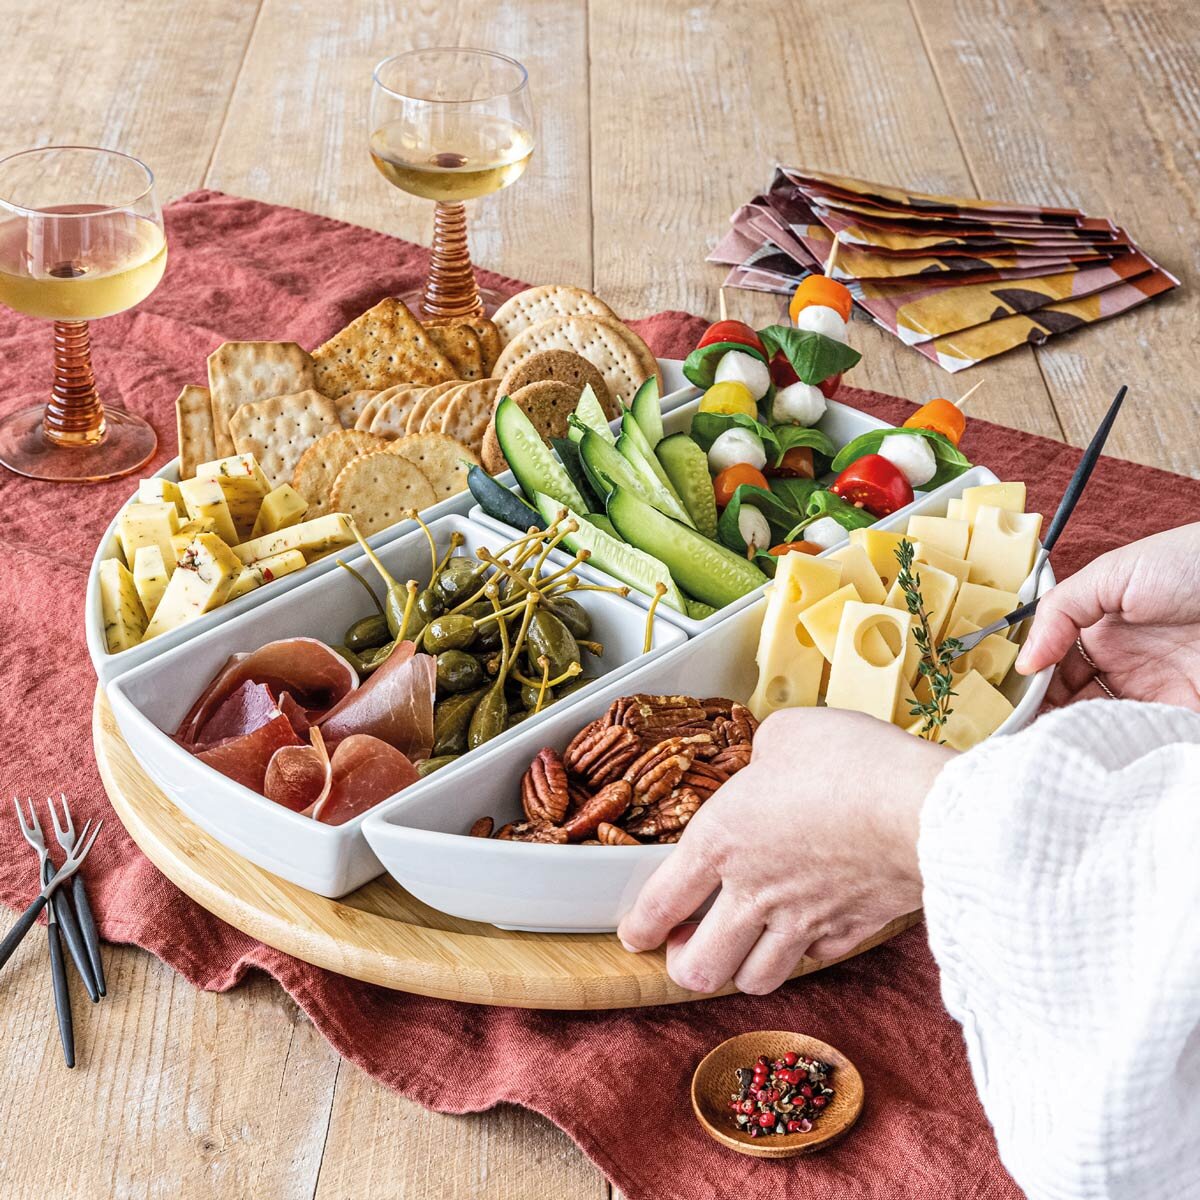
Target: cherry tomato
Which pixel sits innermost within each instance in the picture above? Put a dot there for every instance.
(799, 547)
(783, 374)
(733, 477)
(796, 463)
(729, 397)
(829, 386)
(820, 289)
(942, 417)
(733, 331)
(874, 483)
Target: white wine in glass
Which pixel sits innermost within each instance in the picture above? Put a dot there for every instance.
(451, 125)
(81, 237)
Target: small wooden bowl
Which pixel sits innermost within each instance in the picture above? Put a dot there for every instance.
(714, 1082)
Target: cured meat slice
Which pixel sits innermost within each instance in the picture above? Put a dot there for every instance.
(245, 758)
(394, 705)
(299, 717)
(244, 710)
(315, 676)
(298, 777)
(366, 771)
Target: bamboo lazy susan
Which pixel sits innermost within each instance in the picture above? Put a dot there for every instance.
(380, 934)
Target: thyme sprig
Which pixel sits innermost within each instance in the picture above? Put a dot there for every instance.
(935, 657)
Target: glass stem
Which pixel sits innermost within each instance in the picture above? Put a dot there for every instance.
(74, 415)
(450, 290)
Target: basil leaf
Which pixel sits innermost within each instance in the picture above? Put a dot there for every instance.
(814, 357)
(700, 367)
(790, 436)
(780, 516)
(707, 427)
(826, 504)
(951, 461)
(794, 493)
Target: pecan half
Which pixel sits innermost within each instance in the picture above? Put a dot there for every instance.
(601, 755)
(577, 795)
(732, 759)
(482, 828)
(668, 838)
(609, 803)
(668, 815)
(611, 835)
(544, 794)
(661, 712)
(505, 832)
(538, 831)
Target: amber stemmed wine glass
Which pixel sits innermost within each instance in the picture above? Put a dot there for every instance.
(81, 237)
(451, 124)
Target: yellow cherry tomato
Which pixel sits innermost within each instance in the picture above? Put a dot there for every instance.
(728, 398)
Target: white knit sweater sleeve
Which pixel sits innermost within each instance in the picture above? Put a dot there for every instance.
(1062, 897)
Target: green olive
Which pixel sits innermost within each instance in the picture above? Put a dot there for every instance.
(451, 721)
(454, 632)
(550, 637)
(489, 718)
(573, 615)
(429, 765)
(367, 633)
(458, 671)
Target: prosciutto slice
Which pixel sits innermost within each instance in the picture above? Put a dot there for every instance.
(395, 705)
(299, 777)
(313, 675)
(245, 758)
(244, 710)
(366, 771)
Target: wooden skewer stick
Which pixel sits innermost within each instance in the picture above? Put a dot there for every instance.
(721, 304)
(961, 402)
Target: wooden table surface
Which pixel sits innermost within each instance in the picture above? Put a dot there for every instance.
(655, 121)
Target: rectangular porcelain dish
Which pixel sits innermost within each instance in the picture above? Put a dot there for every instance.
(108, 666)
(418, 835)
(150, 700)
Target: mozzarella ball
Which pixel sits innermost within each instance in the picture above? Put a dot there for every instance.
(825, 533)
(736, 445)
(818, 318)
(797, 404)
(913, 455)
(744, 368)
(753, 527)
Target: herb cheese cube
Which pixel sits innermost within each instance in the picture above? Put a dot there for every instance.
(280, 509)
(124, 617)
(243, 485)
(312, 538)
(206, 501)
(264, 571)
(161, 491)
(149, 525)
(150, 577)
(202, 580)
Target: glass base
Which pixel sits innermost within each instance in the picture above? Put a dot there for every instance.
(128, 443)
(412, 300)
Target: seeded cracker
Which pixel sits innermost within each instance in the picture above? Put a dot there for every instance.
(461, 345)
(242, 372)
(547, 404)
(378, 489)
(489, 336)
(323, 461)
(567, 367)
(442, 460)
(194, 424)
(279, 430)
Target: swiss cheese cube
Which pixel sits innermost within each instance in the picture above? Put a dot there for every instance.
(149, 525)
(161, 491)
(124, 617)
(264, 571)
(958, 567)
(954, 510)
(981, 605)
(206, 502)
(858, 569)
(1008, 496)
(206, 572)
(1003, 547)
(880, 546)
(312, 538)
(950, 537)
(992, 658)
(938, 589)
(862, 677)
(150, 577)
(243, 485)
(977, 711)
(280, 509)
(823, 619)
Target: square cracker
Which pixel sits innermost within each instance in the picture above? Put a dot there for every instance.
(385, 346)
(279, 430)
(242, 372)
(323, 461)
(461, 345)
(489, 336)
(194, 424)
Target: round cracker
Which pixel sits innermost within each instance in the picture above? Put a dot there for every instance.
(536, 304)
(323, 461)
(616, 352)
(379, 489)
(441, 459)
(565, 366)
(351, 404)
(431, 422)
(417, 415)
(391, 417)
(469, 411)
(547, 403)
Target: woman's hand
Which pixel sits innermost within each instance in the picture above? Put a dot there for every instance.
(1137, 612)
(813, 847)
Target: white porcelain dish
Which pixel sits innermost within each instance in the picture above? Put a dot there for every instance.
(841, 422)
(150, 700)
(418, 835)
(108, 666)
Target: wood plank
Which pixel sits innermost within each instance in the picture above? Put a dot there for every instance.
(1095, 105)
(297, 128)
(676, 149)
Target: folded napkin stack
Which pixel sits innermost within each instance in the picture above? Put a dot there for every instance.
(958, 279)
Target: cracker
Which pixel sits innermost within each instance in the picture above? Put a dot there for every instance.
(391, 416)
(563, 365)
(242, 372)
(461, 345)
(385, 346)
(469, 410)
(417, 415)
(194, 425)
(616, 352)
(379, 489)
(489, 336)
(442, 460)
(547, 404)
(351, 404)
(323, 461)
(550, 300)
(431, 422)
(279, 430)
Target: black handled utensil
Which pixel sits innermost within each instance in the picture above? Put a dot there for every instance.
(64, 831)
(58, 971)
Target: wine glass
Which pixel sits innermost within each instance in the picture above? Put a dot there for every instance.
(450, 125)
(81, 237)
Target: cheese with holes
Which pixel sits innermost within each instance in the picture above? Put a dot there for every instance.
(264, 571)
(992, 658)
(148, 525)
(1008, 496)
(932, 556)
(280, 509)
(823, 619)
(938, 589)
(1003, 547)
(243, 485)
(202, 581)
(312, 538)
(981, 605)
(863, 678)
(206, 502)
(161, 491)
(950, 537)
(120, 606)
(977, 710)
(150, 577)
(858, 569)
(880, 546)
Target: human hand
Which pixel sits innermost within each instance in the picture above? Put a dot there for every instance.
(813, 846)
(1137, 612)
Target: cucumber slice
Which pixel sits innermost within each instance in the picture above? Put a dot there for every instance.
(662, 499)
(608, 553)
(589, 414)
(647, 412)
(698, 610)
(704, 568)
(607, 468)
(568, 453)
(601, 522)
(686, 465)
(500, 503)
(632, 435)
(531, 460)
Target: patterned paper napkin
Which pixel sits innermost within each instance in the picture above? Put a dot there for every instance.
(958, 279)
